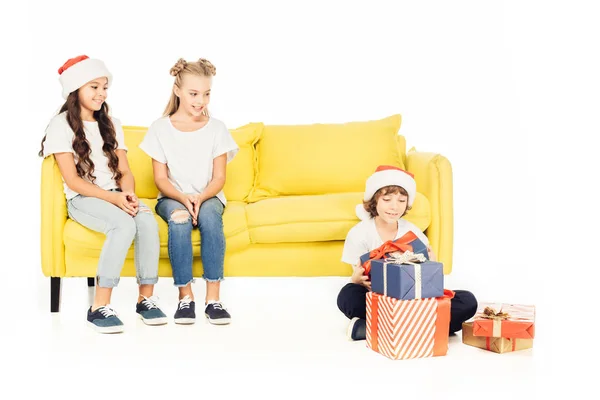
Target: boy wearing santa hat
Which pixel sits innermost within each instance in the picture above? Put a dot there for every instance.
(389, 194)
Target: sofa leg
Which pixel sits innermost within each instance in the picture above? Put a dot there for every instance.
(54, 294)
(91, 282)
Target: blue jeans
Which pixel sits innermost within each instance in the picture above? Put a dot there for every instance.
(212, 239)
(120, 229)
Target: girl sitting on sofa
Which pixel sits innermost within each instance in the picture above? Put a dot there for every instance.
(89, 148)
(190, 150)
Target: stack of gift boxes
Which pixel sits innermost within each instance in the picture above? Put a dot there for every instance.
(408, 310)
(500, 328)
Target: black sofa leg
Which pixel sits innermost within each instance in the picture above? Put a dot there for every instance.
(54, 294)
(91, 282)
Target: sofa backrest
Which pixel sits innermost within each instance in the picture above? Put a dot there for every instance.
(325, 158)
(283, 160)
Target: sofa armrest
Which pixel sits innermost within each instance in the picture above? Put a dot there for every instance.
(53, 219)
(433, 174)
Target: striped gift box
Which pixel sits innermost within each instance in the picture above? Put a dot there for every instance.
(405, 329)
(514, 321)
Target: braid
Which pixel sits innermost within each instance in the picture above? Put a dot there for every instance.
(178, 67)
(207, 66)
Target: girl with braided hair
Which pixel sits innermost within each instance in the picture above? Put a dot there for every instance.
(89, 148)
(190, 150)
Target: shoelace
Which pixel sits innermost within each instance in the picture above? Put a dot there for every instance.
(217, 306)
(185, 302)
(107, 311)
(150, 302)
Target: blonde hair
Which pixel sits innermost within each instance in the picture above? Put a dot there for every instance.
(202, 67)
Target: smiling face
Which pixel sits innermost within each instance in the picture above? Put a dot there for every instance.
(391, 206)
(93, 94)
(194, 94)
(389, 203)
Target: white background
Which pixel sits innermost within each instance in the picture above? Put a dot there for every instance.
(508, 91)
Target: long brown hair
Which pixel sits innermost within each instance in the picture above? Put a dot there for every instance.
(81, 146)
(202, 67)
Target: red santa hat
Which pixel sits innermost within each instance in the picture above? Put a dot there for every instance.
(387, 175)
(78, 71)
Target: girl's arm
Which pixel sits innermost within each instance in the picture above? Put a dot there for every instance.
(127, 181)
(161, 180)
(218, 178)
(66, 165)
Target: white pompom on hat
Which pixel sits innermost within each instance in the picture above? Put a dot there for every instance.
(78, 71)
(387, 175)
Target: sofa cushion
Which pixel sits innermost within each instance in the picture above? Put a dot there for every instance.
(241, 171)
(140, 163)
(294, 219)
(83, 241)
(324, 158)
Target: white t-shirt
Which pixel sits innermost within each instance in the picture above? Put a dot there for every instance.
(59, 139)
(363, 237)
(189, 155)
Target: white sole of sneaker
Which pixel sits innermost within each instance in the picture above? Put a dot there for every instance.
(185, 321)
(220, 321)
(350, 326)
(106, 329)
(154, 321)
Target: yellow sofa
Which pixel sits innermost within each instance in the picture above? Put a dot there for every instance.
(291, 194)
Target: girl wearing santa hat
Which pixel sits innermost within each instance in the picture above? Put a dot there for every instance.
(389, 194)
(89, 148)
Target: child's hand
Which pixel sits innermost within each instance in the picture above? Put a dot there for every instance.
(359, 277)
(196, 200)
(120, 200)
(431, 254)
(187, 201)
(133, 201)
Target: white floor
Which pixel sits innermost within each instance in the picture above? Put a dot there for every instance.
(287, 337)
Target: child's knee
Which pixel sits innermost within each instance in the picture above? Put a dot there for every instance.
(211, 207)
(467, 301)
(180, 216)
(348, 293)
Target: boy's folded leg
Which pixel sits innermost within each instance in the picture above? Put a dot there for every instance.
(462, 307)
(352, 301)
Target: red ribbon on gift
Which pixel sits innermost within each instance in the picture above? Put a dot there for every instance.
(401, 244)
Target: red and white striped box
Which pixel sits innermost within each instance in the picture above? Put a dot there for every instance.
(406, 329)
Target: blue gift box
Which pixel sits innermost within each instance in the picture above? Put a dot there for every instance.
(407, 281)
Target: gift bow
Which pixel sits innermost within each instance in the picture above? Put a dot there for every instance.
(408, 257)
(402, 244)
(496, 317)
(490, 313)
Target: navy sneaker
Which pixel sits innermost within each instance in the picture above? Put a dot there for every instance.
(149, 312)
(357, 329)
(186, 311)
(104, 320)
(217, 314)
